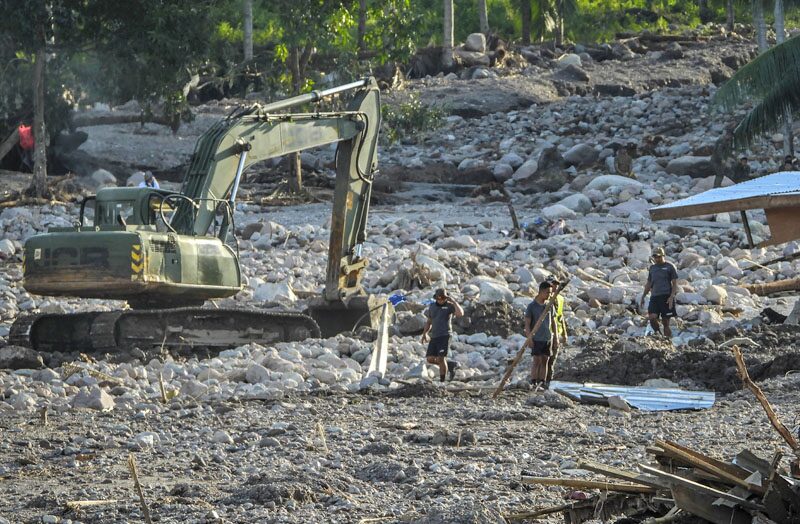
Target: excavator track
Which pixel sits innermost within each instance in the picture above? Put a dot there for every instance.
(176, 328)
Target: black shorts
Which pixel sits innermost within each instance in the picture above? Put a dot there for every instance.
(542, 349)
(438, 346)
(658, 306)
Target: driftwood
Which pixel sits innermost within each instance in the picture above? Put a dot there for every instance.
(9, 143)
(779, 286)
(589, 484)
(138, 487)
(771, 415)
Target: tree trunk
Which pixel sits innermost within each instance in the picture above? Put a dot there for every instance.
(731, 13)
(525, 13)
(483, 16)
(706, 15)
(362, 24)
(248, 29)
(295, 167)
(760, 25)
(38, 187)
(780, 37)
(559, 23)
(448, 40)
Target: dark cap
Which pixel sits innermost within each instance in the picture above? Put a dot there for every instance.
(659, 252)
(440, 293)
(552, 280)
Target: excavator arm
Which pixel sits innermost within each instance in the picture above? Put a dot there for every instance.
(261, 133)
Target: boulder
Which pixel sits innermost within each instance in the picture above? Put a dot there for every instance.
(557, 211)
(581, 155)
(512, 159)
(458, 242)
(274, 292)
(93, 397)
(101, 177)
(626, 209)
(716, 295)
(525, 171)
(606, 295)
(693, 166)
(578, 203)
(492, 291)
(603, 182)
(471, 58)
(502, 172)
(569, 59)
(18, 357)
(476, 42)
(7, 248)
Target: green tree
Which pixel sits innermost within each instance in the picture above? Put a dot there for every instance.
(771, 83)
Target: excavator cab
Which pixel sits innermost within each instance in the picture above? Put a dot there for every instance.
(167, 252)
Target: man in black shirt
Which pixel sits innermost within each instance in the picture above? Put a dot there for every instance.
(662, 280)
(439, 316)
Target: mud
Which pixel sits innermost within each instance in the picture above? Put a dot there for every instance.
(493, 318)
(703, 364)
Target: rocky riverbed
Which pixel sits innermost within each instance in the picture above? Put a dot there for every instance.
(298, 432)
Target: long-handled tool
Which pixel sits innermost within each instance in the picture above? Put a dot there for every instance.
(548, 309)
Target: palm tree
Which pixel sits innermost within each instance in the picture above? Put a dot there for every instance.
(448, 41)
(780, 37)
(772, 83)
(483, 16)
(247, 16)
(760, 25)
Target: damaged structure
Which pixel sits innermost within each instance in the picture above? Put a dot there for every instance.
(777, 194)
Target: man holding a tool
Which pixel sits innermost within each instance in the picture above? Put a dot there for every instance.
(542, 341)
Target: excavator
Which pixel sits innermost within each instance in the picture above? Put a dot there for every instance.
(166, 253)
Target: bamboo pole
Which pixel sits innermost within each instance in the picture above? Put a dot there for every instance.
(548, 309)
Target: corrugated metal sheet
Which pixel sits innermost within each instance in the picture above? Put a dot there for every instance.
(783, 183)
(640, 397)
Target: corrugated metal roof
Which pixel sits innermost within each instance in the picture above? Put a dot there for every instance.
(640, 397)
(783, 183)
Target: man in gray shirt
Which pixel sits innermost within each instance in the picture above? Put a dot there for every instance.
(542, 341)
(662, 280)
(439, 326)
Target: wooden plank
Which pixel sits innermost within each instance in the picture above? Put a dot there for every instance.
(675, 480)
(713, 466)
(747, 231)
(783, 224)
(701, 505)
(630, 476)
(589, 484)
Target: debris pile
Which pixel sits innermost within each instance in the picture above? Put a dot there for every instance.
(684, 480)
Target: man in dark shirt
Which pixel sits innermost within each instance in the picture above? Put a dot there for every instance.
(542, 341)
(662, 280)
(439, 326)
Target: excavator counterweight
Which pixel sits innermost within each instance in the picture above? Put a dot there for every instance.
(167, 252)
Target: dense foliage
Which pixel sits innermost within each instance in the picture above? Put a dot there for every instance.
(153, 50)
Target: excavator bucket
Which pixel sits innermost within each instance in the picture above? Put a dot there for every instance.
(338, 316)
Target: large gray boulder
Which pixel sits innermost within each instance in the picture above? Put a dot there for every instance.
(476, 42)
(693, 166)
(578, 203)
(18, 357)
(581, 155)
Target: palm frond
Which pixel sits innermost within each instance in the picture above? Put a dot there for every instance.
(760, 76)
(770, 112)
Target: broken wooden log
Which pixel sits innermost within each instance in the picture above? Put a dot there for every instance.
(779, 286)
(9, 143)
(589, 484)
(771, 415)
